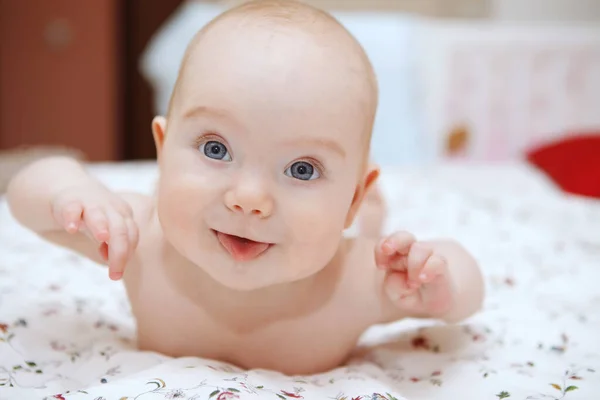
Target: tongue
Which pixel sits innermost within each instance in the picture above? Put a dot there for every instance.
(241, 249)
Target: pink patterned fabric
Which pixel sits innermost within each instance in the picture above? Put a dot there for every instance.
(66, 331)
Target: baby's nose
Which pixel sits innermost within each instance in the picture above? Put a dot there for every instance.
(249, 201)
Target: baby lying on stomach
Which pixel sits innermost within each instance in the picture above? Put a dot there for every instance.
(263, 160)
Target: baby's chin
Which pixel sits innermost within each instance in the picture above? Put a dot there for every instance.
(259, 279)
(248, 286)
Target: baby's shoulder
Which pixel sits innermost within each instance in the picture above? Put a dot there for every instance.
(360, 281)
(358, 252)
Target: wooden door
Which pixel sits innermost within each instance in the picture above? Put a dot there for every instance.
(59, 75)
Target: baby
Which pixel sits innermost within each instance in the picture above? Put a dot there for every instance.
(263, 159)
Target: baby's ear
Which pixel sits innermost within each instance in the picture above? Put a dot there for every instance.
(371, 176)
(369, 179)
(159, 127)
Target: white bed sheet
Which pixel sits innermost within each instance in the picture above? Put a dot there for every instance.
(65, 329)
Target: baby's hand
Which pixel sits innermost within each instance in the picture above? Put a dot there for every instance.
(104, 217)
(417, 279)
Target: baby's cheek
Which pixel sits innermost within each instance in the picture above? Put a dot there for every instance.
(317, 233)
(313, 224)
(179, 204)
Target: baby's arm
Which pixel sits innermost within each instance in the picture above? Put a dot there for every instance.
(433, 279)
(58, 200)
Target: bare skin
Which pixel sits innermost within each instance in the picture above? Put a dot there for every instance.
(240, 255)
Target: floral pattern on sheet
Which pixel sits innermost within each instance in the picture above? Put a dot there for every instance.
(66, 331)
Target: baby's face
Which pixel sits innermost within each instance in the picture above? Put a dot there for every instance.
(266, 146)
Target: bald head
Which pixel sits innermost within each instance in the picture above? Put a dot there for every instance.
(283, 55)
(287, 23)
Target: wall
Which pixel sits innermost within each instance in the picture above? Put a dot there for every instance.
(437, 8)
(546, 10)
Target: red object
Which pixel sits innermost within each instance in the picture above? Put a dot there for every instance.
(572, 163)
(292, 395)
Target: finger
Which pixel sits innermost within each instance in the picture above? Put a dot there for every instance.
(437, 297)
(396, 286)
(395, 261)
(103, 250)
(412, 303)
(118, 245)
(401, 294)
(392, 249)
(398, 243)
(96, 222)
(417, 257)
(124, 209)
(71, 217)
(434, 267)
(133, 233)
(380, 258)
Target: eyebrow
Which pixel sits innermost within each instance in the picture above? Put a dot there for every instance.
(330, 145)
(201, 111)
(319, 142)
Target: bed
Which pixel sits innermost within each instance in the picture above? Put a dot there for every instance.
(66, 331)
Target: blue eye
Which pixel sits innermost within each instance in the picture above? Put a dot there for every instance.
(303, 171)
(215, 150)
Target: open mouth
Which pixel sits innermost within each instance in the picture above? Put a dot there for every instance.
(241, 249)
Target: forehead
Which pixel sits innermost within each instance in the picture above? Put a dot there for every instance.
(274, 74)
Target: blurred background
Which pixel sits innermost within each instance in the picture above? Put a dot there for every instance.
(467, 79)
